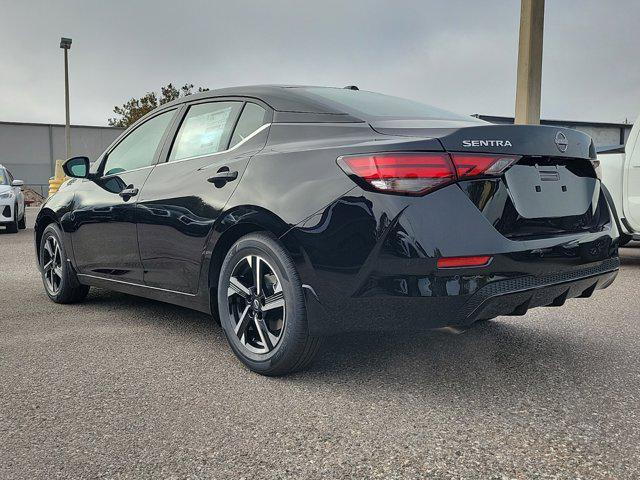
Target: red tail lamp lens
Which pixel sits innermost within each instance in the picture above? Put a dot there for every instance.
(461, 262)
(408, 173)
(470, 165)
(416, 173)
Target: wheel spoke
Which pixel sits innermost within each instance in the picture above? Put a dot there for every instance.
(257, 273)
(274, 301)
(243, 322)
(58, 271)
(236, 288)
(47, 265)
(266, 337)
(47, 247)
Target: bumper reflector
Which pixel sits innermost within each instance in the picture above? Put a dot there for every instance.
(461, 262)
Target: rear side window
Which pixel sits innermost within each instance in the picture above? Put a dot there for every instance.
(251, 119)
(205, 130)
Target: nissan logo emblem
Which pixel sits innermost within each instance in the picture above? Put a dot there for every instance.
(561, 142)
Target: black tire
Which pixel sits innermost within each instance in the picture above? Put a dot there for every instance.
(22, 224)
(624, 239)
(66, 287)
(13, 226)
(295, 347)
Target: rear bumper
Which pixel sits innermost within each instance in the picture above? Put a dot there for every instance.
(513, 296)
(371, 261)
(517, 295)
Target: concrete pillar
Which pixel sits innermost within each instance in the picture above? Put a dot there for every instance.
(529, 62)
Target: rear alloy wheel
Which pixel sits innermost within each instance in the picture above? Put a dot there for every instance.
(60, 281)
(256, 304)
(261, 307)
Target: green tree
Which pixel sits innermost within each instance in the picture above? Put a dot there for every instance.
(129, 112)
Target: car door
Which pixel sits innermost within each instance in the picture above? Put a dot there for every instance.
(104, 233)
(184, 195)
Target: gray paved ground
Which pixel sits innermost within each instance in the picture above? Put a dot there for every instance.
(128, 388)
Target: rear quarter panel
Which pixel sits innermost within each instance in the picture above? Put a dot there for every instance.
(296, 174)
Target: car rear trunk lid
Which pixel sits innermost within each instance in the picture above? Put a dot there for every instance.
(551, 190)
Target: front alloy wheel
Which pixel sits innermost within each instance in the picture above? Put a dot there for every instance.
(60, 281)
(52, 265)
(262, 308)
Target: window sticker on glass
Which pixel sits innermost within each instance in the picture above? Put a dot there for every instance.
(205, 130)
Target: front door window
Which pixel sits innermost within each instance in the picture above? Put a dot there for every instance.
(138, 149)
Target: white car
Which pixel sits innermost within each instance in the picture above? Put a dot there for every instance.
(12, 211)
(620, 170)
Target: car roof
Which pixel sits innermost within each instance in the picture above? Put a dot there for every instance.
(283, 98)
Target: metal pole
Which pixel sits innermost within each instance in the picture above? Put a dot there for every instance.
(528, 87)
(67, 125)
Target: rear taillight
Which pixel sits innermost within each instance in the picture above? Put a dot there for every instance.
(415, 173)
(470, 165)
(409, 173)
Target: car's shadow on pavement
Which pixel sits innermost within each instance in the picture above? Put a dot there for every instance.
(497, 356)
(493, 351)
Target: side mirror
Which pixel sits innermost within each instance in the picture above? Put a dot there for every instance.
(76, 167)
(17, 183)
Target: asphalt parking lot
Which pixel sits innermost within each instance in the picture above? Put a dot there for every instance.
(121, 387)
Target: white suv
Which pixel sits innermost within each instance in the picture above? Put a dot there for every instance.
(12, 211)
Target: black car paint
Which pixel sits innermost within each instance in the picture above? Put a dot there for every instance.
(368, 259)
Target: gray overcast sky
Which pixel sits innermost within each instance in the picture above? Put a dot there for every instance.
(459, 55)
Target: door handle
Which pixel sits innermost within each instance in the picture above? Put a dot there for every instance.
(223, 176)
(128, 192)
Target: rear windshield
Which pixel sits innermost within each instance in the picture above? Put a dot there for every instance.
(376, 106)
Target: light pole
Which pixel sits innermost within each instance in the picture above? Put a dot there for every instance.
(65, 44)
(529, 82)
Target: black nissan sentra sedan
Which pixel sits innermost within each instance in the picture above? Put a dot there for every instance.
(291, 213)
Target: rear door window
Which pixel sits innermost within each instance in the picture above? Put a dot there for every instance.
(205, 130)
(252, 118)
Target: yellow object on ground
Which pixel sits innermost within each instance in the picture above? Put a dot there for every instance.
(58, 178)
